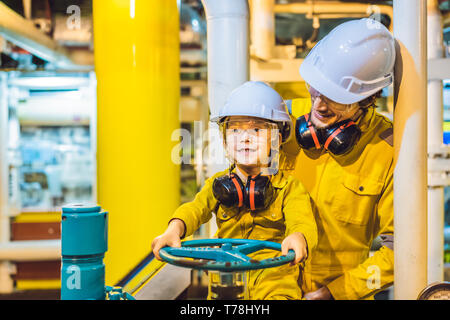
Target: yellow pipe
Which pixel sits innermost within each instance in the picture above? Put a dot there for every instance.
(137, 65)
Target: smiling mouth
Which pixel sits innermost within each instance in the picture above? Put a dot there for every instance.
(323, 116)
(246, 150)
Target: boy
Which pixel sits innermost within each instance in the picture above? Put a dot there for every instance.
(253, 200)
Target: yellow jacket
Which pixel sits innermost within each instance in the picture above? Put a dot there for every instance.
(352, 198)
(289, 212)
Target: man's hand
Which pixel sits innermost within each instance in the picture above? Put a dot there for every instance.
(320, 294)
(171, 237)
(295, 241)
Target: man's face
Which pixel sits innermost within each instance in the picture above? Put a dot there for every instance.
(326, 112)
(248, 140)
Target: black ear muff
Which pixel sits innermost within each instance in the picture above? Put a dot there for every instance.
(305, 133)
(256, 195)
(229, 190)
(259, 191)
(341, 137)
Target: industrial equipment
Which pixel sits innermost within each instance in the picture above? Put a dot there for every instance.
(226, 260)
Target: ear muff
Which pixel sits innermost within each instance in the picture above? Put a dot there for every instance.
(256, 195)
(229, 190)
(341, 137)
(337, 139)
(306, 134)
(259, 191)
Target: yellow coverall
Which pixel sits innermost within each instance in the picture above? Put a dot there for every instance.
(352, 200)
(289, 212)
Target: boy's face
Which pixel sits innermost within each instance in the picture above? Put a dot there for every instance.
(248, 140)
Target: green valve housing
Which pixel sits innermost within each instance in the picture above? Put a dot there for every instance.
(84, 241)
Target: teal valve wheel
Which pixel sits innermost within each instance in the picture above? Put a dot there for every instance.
(84, 241)
(226, 255)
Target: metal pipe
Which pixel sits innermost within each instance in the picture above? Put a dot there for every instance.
(38, 250)
(227, 40)
(262, 28)
(333, 7)
(6, 282)
(410, 149)
(435, 142)
(138, 114)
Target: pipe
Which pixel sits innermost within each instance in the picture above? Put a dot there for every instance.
(435, 50)
(6, 282)
(38, 250)
(24, 34)
(262, 28)
(228, 44)
(333, 7)
(227, 40)
(410, 149)
(137, 63)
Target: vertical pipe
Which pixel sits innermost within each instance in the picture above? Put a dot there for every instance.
(138, 87)
(6, 282)
(227, 41)
(262, 28)
(410, 150)
(435, 141)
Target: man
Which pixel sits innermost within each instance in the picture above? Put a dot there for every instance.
(345, 160)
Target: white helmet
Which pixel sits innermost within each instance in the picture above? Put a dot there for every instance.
(256, 99)
(354, 61)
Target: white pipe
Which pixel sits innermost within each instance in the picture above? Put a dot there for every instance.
(262, 28)
(27, 8)
(227, 40)
(435, 50)
(333, 7)
(6, 282)
(23, 33)
(38, 250)
(410, 150)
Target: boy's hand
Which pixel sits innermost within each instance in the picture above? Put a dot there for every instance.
(295, 241)
(171, 237)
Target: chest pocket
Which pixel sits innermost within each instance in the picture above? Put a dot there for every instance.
(225, 214)
(356, 199)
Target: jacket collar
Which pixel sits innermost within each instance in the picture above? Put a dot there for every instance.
(279, 180)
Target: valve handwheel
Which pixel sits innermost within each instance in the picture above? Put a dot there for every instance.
(226, 255)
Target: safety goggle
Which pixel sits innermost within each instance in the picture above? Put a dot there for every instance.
(257, 128)
(336, 106)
